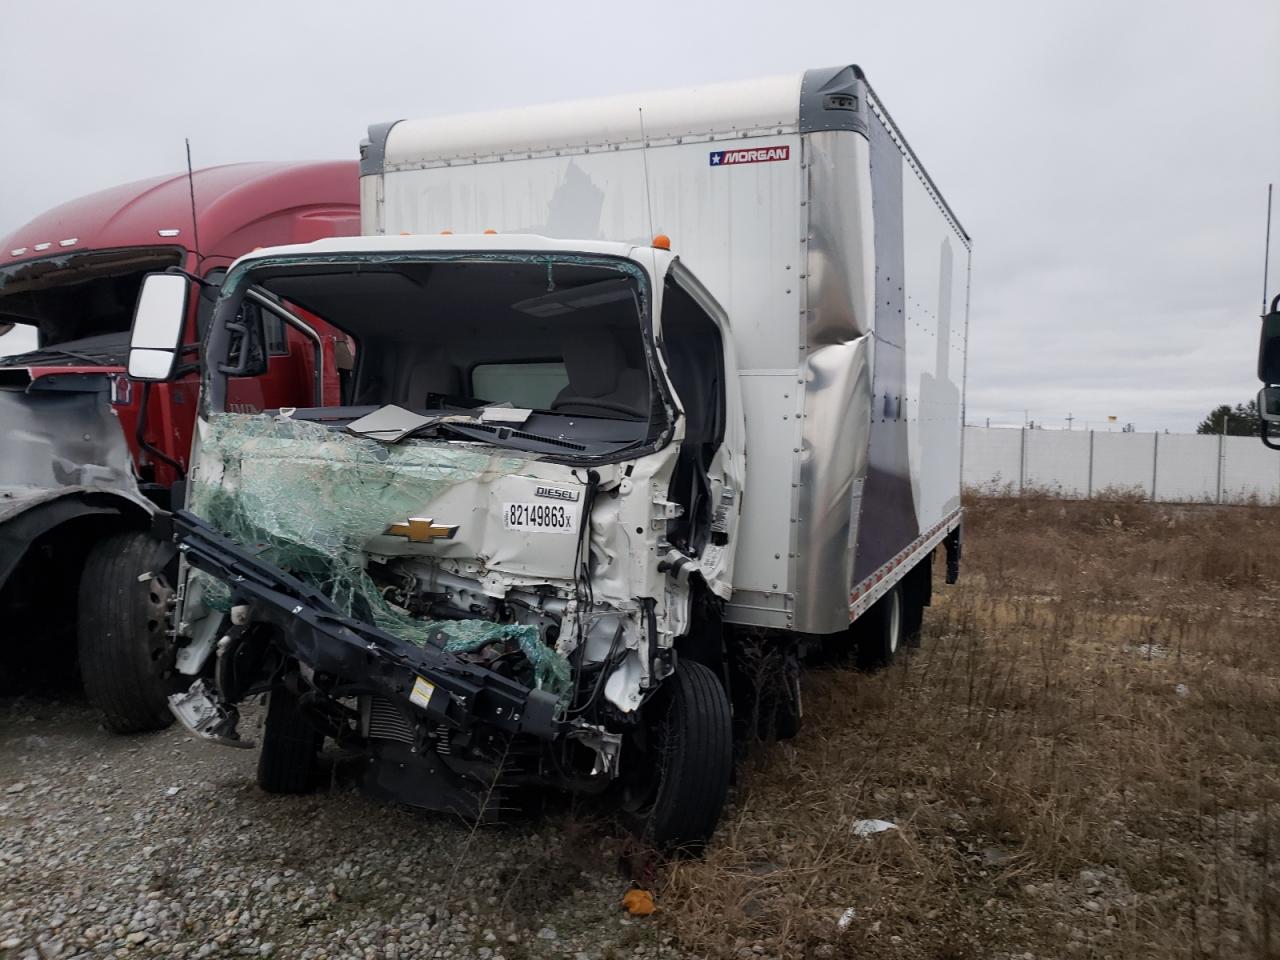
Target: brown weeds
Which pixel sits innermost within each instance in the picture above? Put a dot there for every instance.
(1082, 760)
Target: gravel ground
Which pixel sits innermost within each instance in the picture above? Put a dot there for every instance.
(158, 845)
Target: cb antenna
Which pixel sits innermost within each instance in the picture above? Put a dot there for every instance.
(191, 188)
(648, 196)
(644, 156)
(1266, 256)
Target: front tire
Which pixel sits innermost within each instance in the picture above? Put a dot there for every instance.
(122, 630)
(687, 762)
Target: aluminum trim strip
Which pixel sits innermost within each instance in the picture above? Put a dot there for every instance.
(879, 583)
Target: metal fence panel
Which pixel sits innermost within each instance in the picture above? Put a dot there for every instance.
(1187, 467)
(1249, 470)
(992, 459)
(1176, 467)
(1058, 462)
(1124, 462)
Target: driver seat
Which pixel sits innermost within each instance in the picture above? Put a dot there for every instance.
(600, 382)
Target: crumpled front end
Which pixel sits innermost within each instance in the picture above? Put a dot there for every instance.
(312, 500)
(543, 574)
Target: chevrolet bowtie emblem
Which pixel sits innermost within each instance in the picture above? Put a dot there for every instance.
(418, 530)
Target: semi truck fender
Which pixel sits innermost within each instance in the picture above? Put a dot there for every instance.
(24, 521)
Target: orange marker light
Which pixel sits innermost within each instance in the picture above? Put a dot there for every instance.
(445, 233)
(490, 233)
(662, 242)
(405, 233)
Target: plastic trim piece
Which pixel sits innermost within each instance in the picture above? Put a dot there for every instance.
(833, 98)
(373, 149)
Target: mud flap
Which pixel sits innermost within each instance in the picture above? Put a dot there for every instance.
(952, 545)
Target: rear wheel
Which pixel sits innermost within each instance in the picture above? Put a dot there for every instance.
(880, 630)
(290, 745)
(681, 762)
(122, 630)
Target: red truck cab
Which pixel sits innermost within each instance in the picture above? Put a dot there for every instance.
(86, 454)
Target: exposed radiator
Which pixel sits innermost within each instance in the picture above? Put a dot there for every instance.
(387, 723)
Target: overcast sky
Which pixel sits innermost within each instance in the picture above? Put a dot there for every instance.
(1109, 159)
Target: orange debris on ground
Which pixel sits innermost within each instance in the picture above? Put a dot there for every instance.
(639, 903)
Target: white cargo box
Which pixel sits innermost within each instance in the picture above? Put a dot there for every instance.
(799, 204)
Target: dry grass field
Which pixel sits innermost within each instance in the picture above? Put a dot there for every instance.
(1082, 760)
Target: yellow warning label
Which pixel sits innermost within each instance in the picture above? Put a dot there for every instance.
(422, 690)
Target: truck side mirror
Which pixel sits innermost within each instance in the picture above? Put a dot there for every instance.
(1269, 404)
(1269, 346)
(158, 319)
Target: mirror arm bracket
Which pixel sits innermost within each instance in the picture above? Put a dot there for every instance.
(1265, 436)
(143, 442)
(194, 278)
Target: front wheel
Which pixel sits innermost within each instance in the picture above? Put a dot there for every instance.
(682, 762)
(122, 630)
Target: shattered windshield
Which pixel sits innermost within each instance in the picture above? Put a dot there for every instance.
(75, 308)
(532, 352)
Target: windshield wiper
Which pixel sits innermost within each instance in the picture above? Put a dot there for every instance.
(392, 424)
(459, 428)
(32, 356)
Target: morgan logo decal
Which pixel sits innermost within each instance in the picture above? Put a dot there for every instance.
(724, 158)
(557, 493)
(419, 530)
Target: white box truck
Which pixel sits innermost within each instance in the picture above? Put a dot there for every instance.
(647, 395)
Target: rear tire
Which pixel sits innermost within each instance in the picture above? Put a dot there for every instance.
(880, 630)
(290, 744)
(122, 630)
(688, 762)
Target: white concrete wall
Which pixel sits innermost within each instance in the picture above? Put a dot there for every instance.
(1182, 467)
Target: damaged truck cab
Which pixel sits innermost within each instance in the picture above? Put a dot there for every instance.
(536, 468)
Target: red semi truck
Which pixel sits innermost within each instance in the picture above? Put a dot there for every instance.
(87, 454)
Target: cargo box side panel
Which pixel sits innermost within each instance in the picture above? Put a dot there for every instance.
(887, 514)
(937, 273)
(839, 354)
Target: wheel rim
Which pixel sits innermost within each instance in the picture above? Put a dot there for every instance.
(157, 594)
(895, 620)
